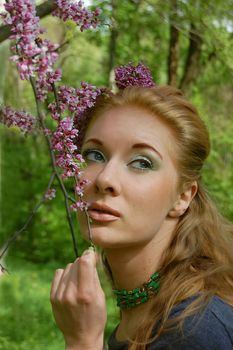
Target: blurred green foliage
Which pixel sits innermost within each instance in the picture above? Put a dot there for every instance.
(142, 34)
(26, 314)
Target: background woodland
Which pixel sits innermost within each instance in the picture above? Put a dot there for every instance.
(186, 43)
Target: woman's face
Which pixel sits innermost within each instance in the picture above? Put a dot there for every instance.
(133, 178)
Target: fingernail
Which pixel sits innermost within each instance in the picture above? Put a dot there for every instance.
(91, 248)
(88, 250)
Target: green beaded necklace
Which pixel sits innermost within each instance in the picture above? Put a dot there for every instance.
(129, 299)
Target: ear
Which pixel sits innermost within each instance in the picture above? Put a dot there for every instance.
(183, 201)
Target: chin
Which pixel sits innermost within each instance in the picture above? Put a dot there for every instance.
(103, 238)
(102, 242)
(109, 242)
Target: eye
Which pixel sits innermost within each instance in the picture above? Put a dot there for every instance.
(93, 155)
(142, 163)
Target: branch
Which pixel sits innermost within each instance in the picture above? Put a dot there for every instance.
(53, 164)
(75, 177)
(28, 221)
(42, 10)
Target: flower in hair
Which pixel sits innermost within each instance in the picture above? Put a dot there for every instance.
(130, 75)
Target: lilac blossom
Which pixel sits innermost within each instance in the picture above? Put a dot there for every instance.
(130, 75)
(23, 120)
(75, 11)
(35, 57)
(50, 194)
(66, 137)
(79, 188)
(63, 143)
(79, 205)
(77, 100)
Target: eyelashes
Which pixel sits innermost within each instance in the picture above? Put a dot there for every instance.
(93, 155)
(142, 163)
(139, 162)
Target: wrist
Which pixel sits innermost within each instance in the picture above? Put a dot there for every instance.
(86, 345)
(83, 347)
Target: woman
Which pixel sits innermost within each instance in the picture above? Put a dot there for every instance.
(144, 148)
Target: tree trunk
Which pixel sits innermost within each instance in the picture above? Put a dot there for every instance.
(192, 66)
(173, 55)
(42, 10)
(112, 43)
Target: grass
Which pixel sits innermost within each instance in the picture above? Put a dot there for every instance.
(25, 314)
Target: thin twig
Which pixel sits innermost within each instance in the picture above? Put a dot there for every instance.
(87, 219)
(17, 233)
(71, 199)
(56, 99)
(4, 269)
(23, 228)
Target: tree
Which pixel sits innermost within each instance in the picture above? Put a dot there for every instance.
(42, 10)
(35, 58)
(173, 55)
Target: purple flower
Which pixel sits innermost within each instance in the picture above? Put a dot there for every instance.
(53, 77)
(75, 11)
(24, 121)
(65, 140)
(50, 194)
(130, 75)
(78, 100)
(79, 205)
(79, 188)
(64, 145)
(35, 57)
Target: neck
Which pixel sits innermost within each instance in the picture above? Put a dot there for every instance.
(131, 266)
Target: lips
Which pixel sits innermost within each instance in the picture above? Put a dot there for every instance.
(103, 213)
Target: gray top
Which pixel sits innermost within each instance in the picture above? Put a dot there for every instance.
(210, 330)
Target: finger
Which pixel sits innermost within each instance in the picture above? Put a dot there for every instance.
(96, 278)
(86, 275)
(70, 286)
(64, 281)
(56, 280)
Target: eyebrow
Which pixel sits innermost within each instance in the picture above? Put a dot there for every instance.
(94, 140)
(145, 145)
(135, 146)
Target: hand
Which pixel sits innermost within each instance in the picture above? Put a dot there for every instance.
(78, 303)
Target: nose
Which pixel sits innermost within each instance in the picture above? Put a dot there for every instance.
(108, 180)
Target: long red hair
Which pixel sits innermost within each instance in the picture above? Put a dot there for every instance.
(199, 259)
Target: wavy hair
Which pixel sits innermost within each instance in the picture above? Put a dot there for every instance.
(199, 260)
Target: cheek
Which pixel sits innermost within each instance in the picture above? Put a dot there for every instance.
(90, 173)
(156, 197)
(89, 176)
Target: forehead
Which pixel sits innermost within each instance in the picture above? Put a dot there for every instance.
(131, 124)
(119, 128)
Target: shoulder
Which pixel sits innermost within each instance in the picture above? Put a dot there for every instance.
(210, 329)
